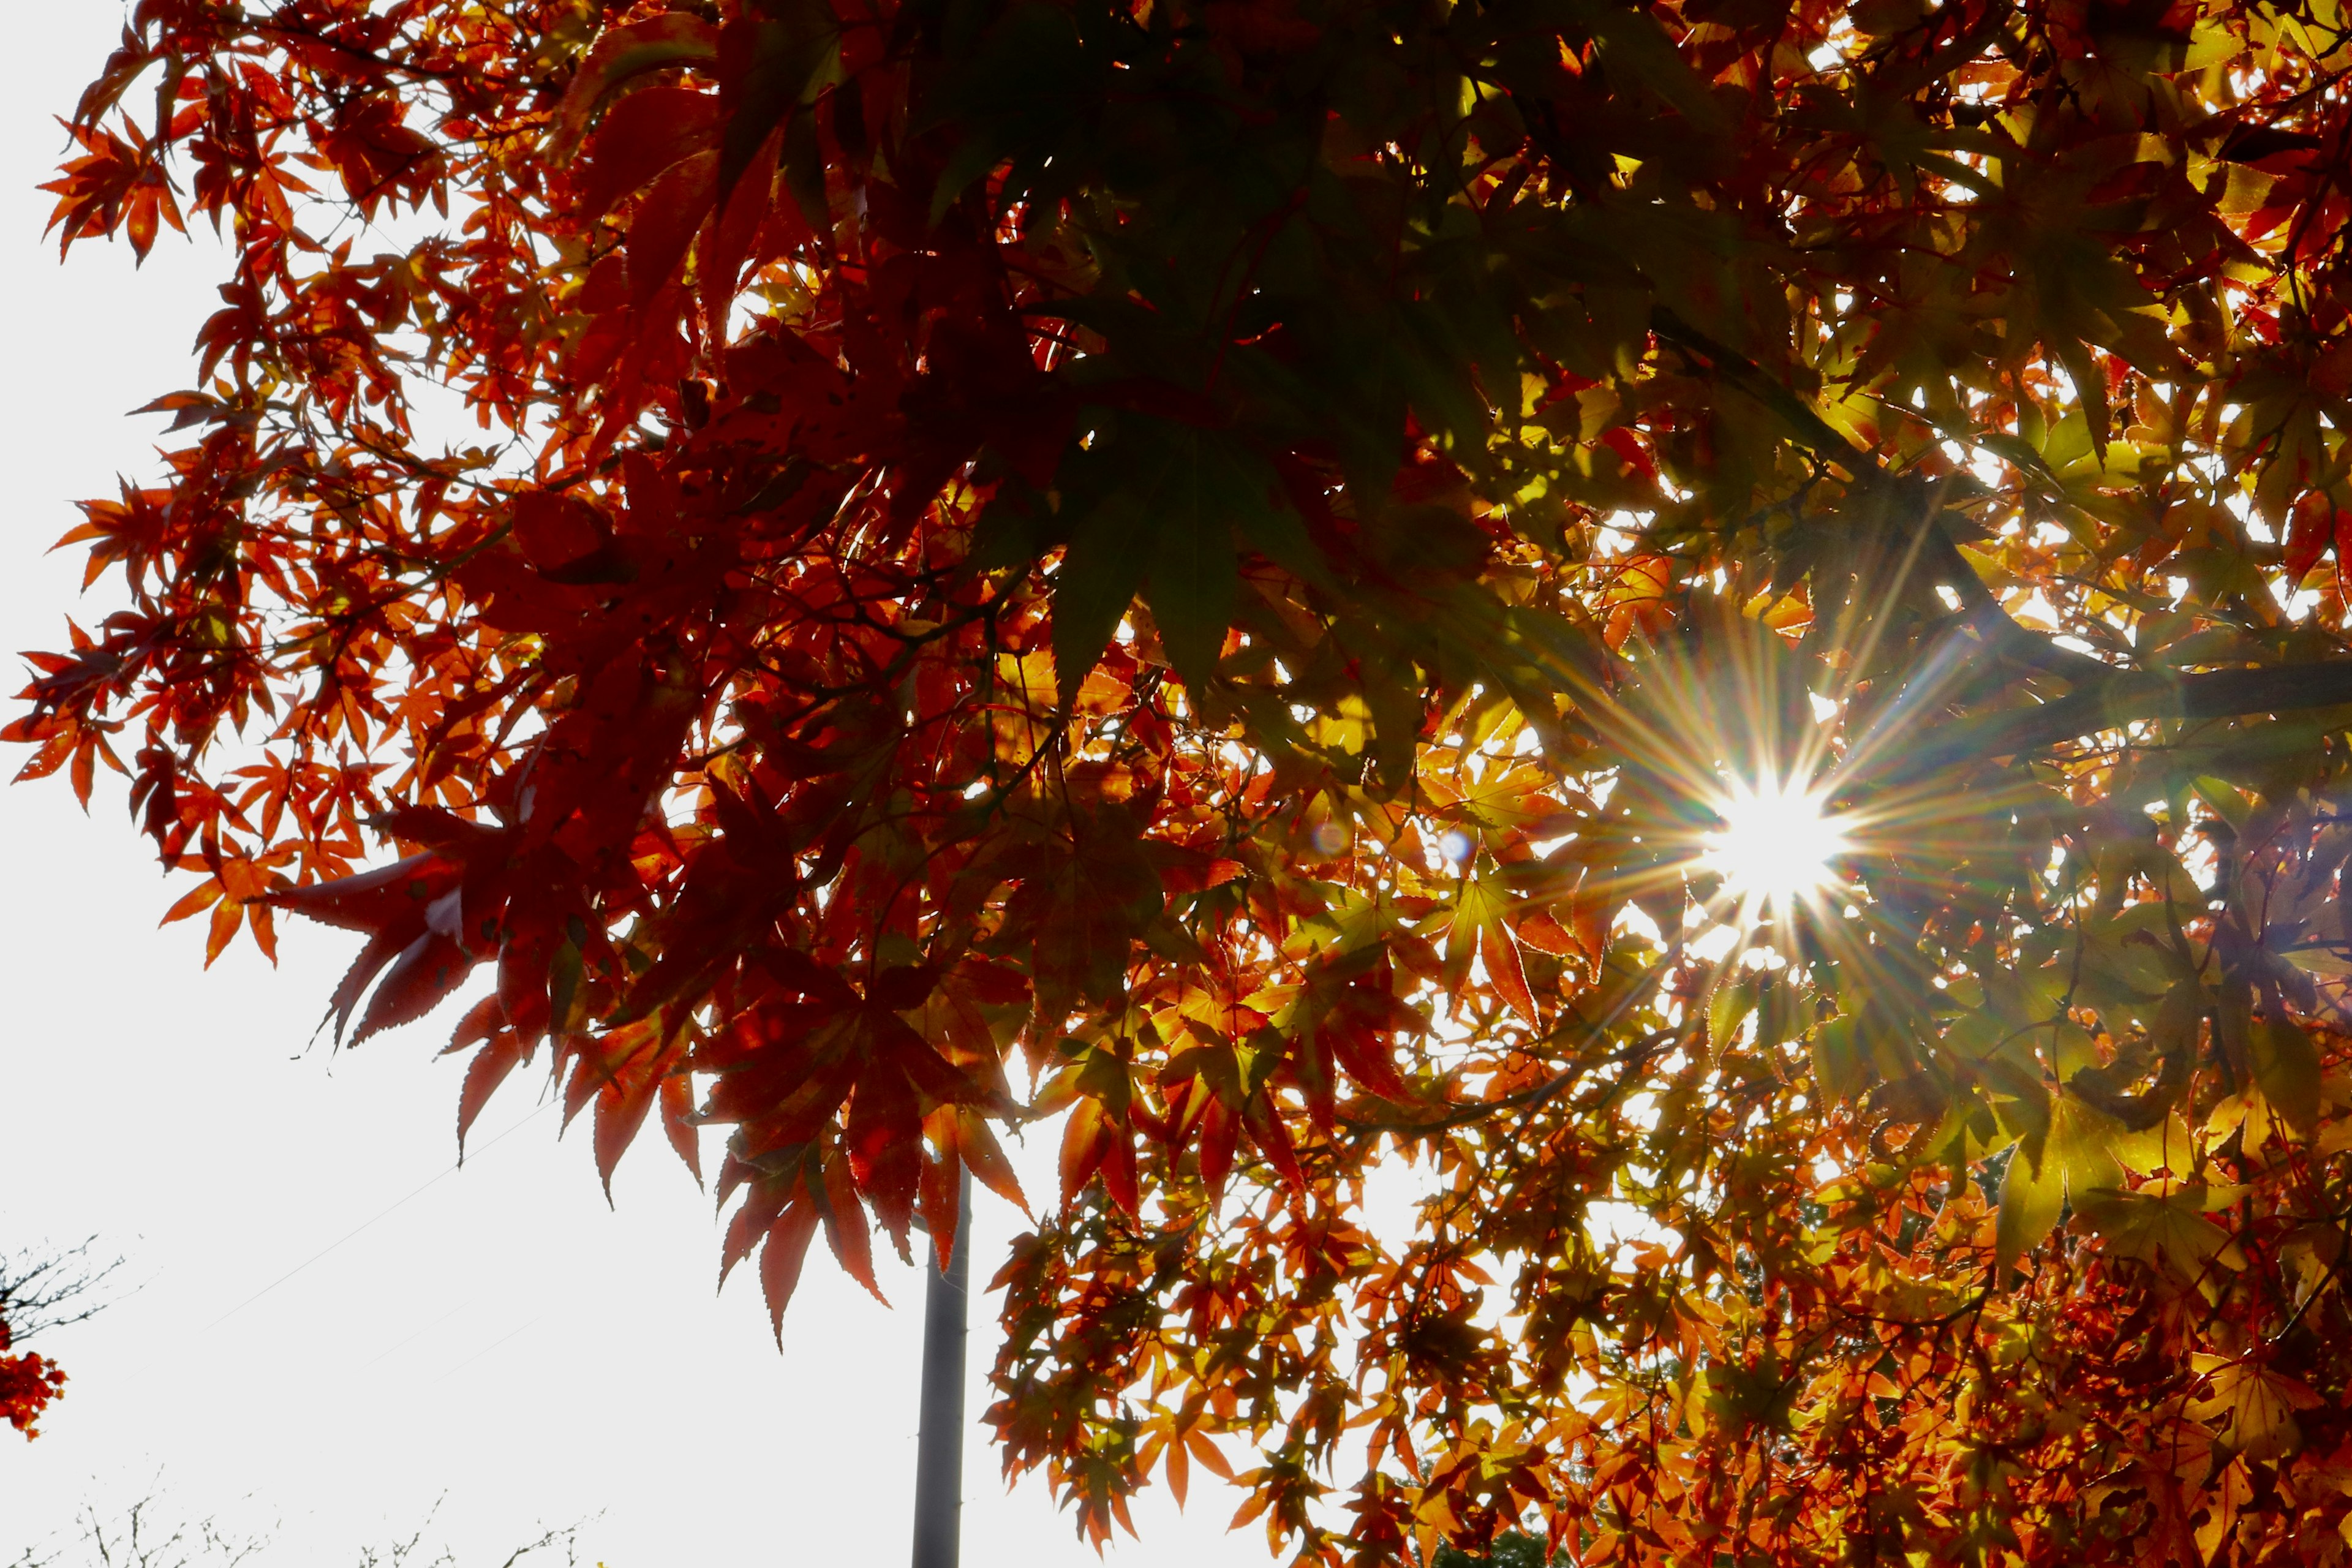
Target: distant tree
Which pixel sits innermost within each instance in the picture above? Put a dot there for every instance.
(38, 1292)
(151, 1533)
(145, 1535)
(1722, 622)
(27, 1383)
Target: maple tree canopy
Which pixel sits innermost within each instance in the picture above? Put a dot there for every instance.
(1720, 623)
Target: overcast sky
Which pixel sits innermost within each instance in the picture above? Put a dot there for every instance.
(321, 1327)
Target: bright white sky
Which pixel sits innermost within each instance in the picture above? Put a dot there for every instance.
(494, 1336)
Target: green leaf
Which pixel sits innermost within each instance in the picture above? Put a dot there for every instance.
(1727, 1009)
(2016, 451)
(1094, 584)
(1840, 1064)
(1632, 41)
(2287, 1067)
(2075, 1157)
(2018, 1097)
(2180, 1018)
(1010, 533)
(1276, 532)
(2081, 1142)
(2071, 1049)
(804, 164)
(1195, 587)
(2225, 798)
(2033, 1192)
(2165, 1146)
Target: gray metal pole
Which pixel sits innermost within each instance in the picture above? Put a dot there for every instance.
(938, 1445)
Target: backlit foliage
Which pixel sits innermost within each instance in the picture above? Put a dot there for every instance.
(1205, 569)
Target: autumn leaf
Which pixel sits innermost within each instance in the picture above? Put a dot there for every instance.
(2164, 1226)
(2251, 1407)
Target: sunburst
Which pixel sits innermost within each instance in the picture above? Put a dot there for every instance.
(1777, 846)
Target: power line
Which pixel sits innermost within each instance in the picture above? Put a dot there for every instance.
(425, 1329)
(483, 1351)
(365, 1225)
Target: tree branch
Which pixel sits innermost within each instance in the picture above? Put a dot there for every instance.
(2135, 696)
(1981, 610)
(1741, 373)
(1983, 615)
(2106, 697)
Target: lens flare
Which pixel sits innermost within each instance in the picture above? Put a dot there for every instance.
(1777, 846)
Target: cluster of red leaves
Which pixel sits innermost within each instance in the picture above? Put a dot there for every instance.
(1191, 544)
(27, 1383)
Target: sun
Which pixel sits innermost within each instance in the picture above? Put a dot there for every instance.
(1777, 846)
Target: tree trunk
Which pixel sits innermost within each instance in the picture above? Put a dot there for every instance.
(939, 1446)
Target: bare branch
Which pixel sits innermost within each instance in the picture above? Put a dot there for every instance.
(44, 1290)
